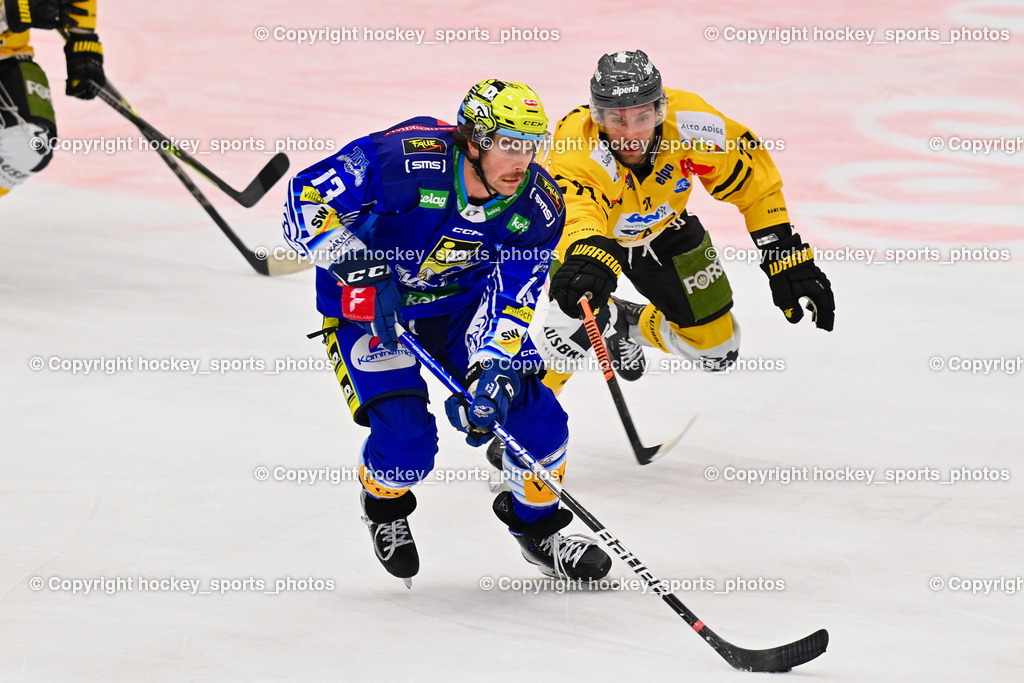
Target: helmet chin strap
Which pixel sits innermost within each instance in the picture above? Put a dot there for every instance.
(478, 169)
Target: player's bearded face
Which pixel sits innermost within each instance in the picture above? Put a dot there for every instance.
(631, 132)
(505, 163)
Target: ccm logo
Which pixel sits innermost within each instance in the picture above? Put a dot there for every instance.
(366, 274)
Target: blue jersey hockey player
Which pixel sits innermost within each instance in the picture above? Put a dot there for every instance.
(448, 229)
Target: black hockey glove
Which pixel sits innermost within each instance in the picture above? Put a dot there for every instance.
(792, 274)
(85, 65)
(21, 15)
(592, 266)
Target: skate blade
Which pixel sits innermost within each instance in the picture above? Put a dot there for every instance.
(408, 583)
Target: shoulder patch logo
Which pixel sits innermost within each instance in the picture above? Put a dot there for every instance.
(604, 157)
(356, 164)
(309, 194)
(703, 130)
(424, 146)
(551, 191)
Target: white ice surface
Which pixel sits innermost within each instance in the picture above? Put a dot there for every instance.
(152, 473)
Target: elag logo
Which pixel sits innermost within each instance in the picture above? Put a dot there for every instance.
(433, 199)
(424, 146)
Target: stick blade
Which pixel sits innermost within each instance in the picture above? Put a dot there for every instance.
(776, 659)
(275, 169)
(286, 266)
(645, 456)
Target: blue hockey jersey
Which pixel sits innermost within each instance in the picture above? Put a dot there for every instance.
(399, 194)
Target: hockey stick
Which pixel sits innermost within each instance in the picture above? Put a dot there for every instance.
(644, 454)
(775, 660)
(271, 173)
(270, 265)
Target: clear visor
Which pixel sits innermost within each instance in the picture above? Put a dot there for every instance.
(647, 115)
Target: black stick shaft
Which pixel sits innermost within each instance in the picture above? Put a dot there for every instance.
(644, 455)
(777, 659)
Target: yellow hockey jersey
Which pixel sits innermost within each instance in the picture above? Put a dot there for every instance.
(12, 44)
(603, 197)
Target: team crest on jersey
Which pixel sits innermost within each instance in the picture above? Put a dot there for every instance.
(424, 146)
(356, 164)
(449, 254)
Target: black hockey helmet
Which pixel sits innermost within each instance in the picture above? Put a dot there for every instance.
(626, 79)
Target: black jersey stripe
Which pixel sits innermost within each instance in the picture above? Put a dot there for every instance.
(737, 188)
(729, 181)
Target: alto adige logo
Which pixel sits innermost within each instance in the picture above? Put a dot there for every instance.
(424, 146)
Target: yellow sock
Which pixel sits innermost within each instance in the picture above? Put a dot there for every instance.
(555, 381)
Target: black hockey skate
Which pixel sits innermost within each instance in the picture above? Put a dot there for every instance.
(389, 528)
(627, 356)
(573, 557)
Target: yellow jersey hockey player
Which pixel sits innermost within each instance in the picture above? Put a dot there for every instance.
(27, 122)
(626, 165)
